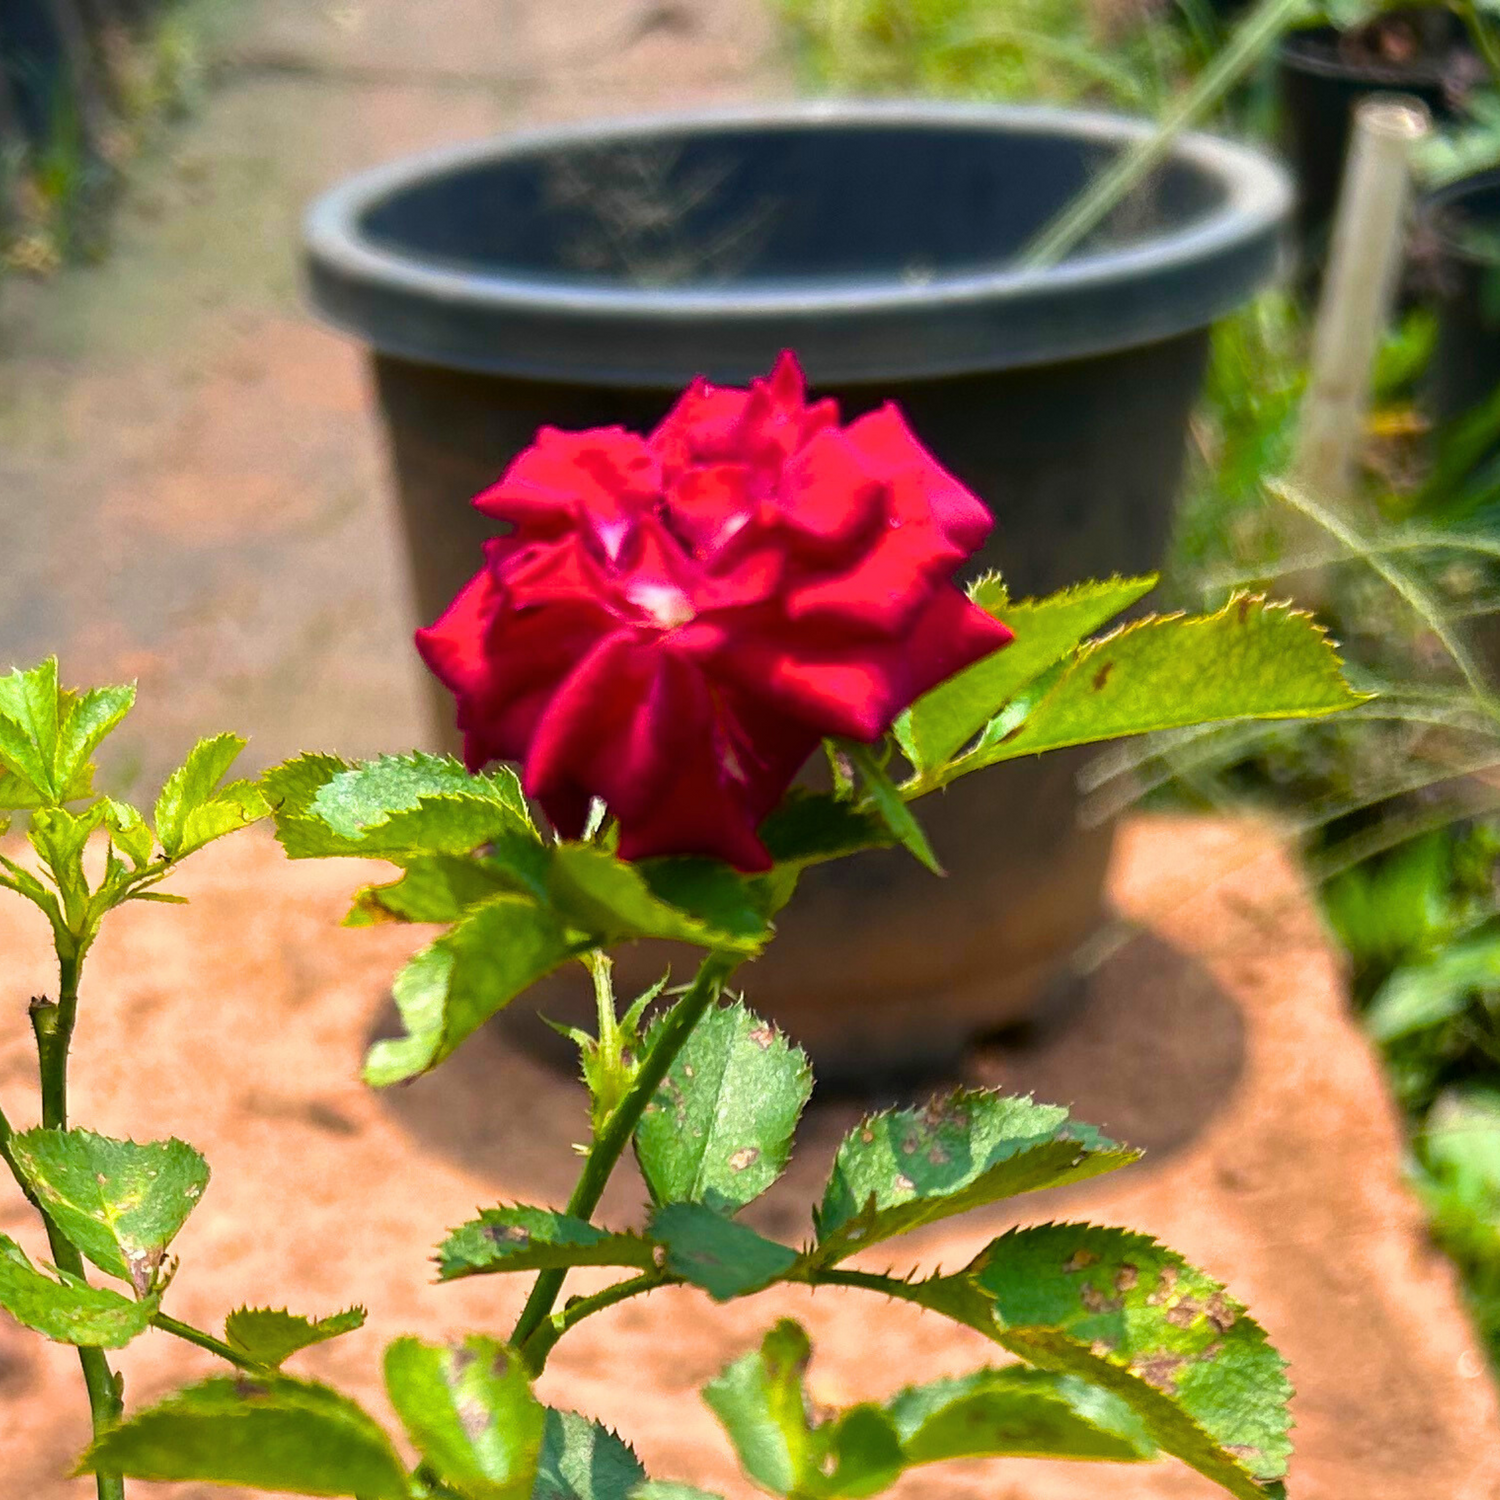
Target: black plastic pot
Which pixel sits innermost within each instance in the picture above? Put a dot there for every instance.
(1461, 234)
(1320, 89)
(582, 276)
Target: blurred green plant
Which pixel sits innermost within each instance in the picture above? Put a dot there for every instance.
(59, 190)
(1129, 56)
(1397, 807)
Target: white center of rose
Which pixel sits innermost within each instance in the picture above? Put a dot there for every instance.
(665, 603)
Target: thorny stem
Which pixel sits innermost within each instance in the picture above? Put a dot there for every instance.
(540, 1344)
(611, 1140)
(191, 1335)
(53, 1025)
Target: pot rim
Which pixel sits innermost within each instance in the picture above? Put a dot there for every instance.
(394, 300)
(1314, 50)
(1439, 204)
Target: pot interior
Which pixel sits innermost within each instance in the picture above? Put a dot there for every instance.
(737, 206)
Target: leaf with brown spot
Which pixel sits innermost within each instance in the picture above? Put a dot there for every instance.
(1250, 660)
(274, 1434)
(1046, 631)
(470, 1413)
(521, 1238)
(120, 1202)
(1125, 1313)
(729, 1108)
(907, 1168)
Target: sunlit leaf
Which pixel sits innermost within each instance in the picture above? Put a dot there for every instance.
(120, 1202)
(520, 1238)
(1251, 660)
(1046, 630)
(128, 831)
(194, 809)
(266, 1432)
(65, 1311)
(470, 1411)
(269, 1336)
(608, 897)
(393, 806)
(1122, 1312)
(457, 983)
(899, 1170)
(583, 1460)
(719, 1129)
(764, 1408)
(1015, 1412)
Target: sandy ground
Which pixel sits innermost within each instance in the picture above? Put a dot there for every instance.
(1217, 1037)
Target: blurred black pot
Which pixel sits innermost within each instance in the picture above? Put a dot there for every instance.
(581, 276)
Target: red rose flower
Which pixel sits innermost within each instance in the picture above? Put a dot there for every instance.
(675, 622)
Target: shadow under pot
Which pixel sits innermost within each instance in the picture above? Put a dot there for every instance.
(1324, 74)
(583, 276)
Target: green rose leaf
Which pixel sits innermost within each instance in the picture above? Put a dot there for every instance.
(763, 1406)
(120, 1202)
(719, 1130)
(670, 1489)
(583, 1460)
(711, 893)
(519, 1238)
(811, 827)
(86, 719)
(392, 807)
(29, 715)
(67, 1311)
(194, 809)
(1046, 630)
(1251, 660)
(893, 812)
(268, 1336)
(1015, 1412)
(128, 831)
(59, 838)
(470, 1411)
(725, 1259)
(1123, 1312)
(265, 1432)
(457, 983)
(47, 735)
(605, 896)
(899, 1170)
(437, 888)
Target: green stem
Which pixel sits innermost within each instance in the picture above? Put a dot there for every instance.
(610, 1142)
(191, 1335)
(540, 1344)
(53, 1025)
(1097, 201)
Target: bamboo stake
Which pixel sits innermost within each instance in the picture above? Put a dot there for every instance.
(1363, 265)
